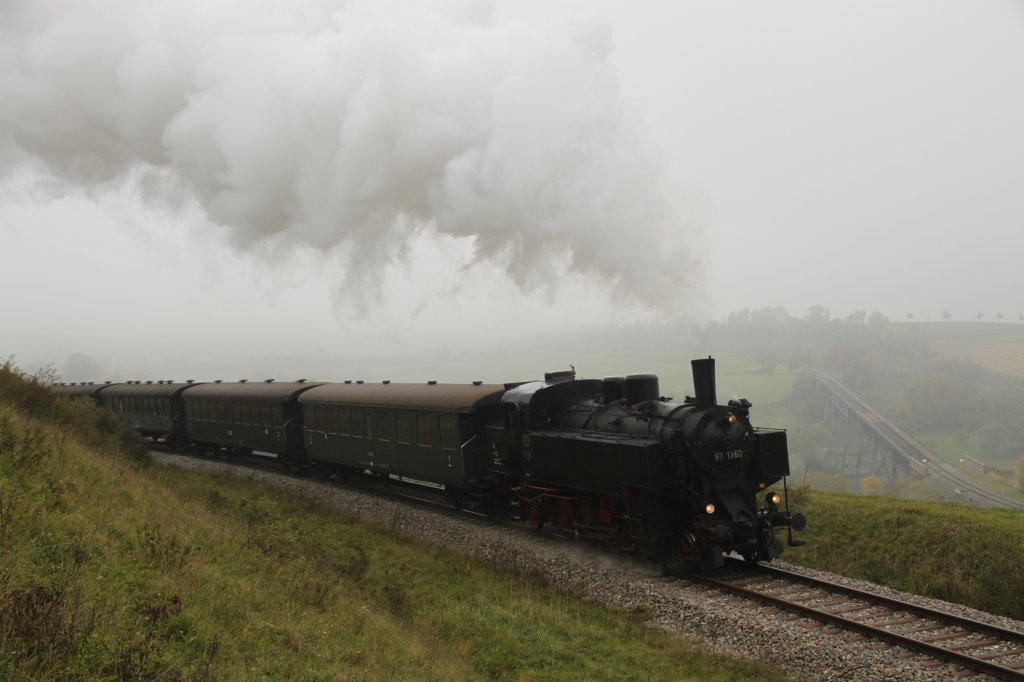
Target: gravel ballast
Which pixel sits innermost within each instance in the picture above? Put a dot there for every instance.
(719, 622)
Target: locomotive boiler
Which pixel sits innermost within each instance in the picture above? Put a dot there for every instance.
(613, 459)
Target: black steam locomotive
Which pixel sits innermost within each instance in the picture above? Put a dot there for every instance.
(605, 459)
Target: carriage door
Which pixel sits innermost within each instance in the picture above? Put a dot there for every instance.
(368, 425)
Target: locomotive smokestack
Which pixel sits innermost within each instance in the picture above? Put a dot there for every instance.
(704, 382)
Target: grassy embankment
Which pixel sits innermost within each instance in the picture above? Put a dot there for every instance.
(947, 551)
(115, 568)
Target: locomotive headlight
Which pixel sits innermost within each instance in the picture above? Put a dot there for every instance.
(709, 508)
(773, 499)
(730, 420)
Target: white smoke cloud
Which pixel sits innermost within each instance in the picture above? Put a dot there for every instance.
(355, 126)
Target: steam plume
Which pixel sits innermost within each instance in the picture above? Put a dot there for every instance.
(353, 124)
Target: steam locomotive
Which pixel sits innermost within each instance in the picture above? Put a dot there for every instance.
(610, 459)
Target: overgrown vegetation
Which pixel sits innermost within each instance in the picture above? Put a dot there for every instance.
(947, 551)
(113, 569)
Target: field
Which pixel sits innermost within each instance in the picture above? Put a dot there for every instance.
(997, 347)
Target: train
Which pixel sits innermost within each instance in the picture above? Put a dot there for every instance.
(683, 483)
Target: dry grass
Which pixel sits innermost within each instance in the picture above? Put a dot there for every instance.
(997, 347)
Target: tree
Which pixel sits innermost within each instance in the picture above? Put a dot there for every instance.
(857, 317)
(946, 315)
(877, 319)
(999, 316)
(818, 314)
(981, 315)
(910, 316)
(870, 483)
(82, 367)
(996, 440)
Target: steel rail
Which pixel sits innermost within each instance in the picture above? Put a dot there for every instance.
(925, 611)
(951, 656)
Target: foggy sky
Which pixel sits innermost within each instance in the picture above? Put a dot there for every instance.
(600, 167)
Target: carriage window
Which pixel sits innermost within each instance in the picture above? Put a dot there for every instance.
(358, 424)
(449, 433)
(189, 411)
(275, 414)
(369, 424)
(166, 403)
(425, 428)
(332, 420)
(247, 414)
(384, 425)
(321, 418)
(236, 413)
(222, 411)
(344, 421)
(404, 427)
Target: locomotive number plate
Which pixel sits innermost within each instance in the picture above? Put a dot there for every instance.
(727, 455)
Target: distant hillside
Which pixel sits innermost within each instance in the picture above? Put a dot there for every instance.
(996, 346)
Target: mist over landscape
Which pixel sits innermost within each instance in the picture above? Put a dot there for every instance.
(488, 189)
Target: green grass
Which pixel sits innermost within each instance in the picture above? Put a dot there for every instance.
(112, 567)
(947, 551)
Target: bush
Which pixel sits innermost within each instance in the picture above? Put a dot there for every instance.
(97, 427)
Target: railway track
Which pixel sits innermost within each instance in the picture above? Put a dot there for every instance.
(973, 645)
(914, 452)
